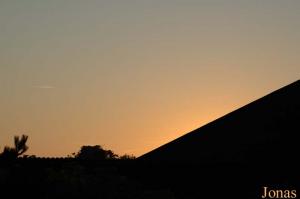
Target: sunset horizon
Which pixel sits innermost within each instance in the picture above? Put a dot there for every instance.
(140, 99)
(132, 76)
(144, 152)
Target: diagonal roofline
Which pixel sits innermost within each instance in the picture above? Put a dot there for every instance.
(236, 111)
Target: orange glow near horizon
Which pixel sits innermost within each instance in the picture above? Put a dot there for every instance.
(134, 75)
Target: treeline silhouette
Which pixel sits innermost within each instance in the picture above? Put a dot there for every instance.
(85, 153)
(92, 172)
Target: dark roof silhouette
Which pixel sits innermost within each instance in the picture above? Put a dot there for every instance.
(264, 131)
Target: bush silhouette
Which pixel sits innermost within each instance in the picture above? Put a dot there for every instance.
(95, 153)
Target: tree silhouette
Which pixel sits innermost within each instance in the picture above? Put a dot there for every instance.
(95, 153)
(16, 151)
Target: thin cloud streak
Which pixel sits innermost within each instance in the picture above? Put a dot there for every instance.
(44, 87)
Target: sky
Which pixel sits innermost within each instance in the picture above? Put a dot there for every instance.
(131, 75)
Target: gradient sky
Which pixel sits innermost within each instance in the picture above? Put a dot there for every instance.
(131, 75)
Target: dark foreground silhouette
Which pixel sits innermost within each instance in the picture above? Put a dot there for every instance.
(236, 156)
